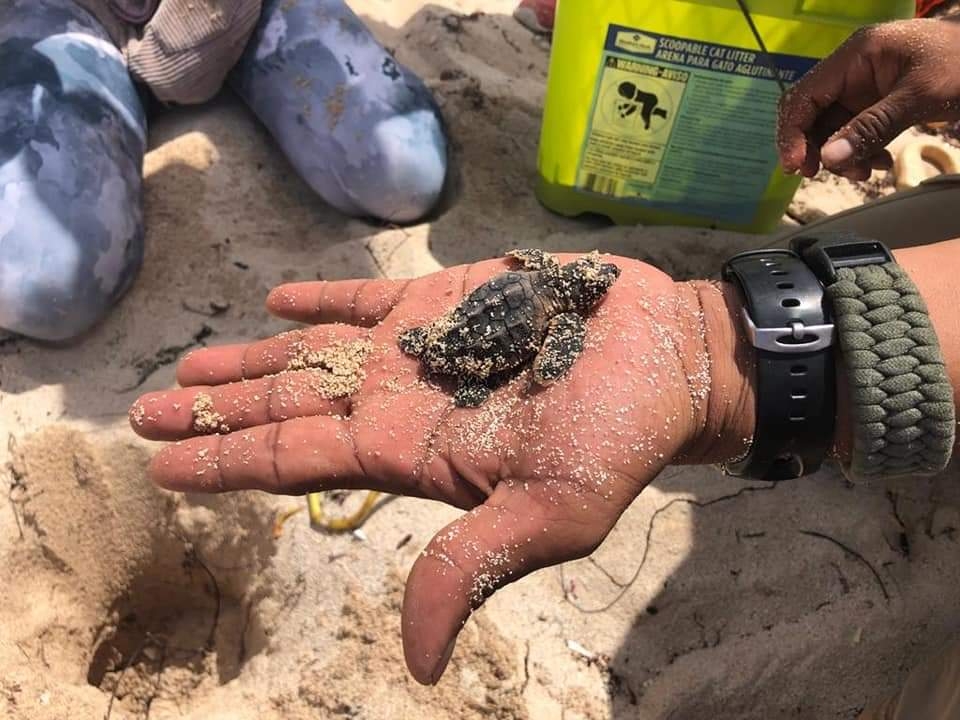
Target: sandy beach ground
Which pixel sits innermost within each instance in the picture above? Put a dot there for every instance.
(713, 598)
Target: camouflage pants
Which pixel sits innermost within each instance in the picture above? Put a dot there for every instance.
(361, 130)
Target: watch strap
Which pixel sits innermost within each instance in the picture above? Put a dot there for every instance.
(787, 323)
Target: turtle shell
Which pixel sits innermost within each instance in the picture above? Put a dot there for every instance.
(499, 326)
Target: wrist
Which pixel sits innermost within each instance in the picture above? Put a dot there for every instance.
(725, 430)
(724, 427)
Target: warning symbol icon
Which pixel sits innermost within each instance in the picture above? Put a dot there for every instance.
(633, 100)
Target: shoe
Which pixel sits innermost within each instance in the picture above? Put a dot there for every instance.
(536, 15)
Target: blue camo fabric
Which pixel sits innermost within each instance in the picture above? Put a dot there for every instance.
(361, 129)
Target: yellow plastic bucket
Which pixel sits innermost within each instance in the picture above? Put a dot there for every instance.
(663, 112)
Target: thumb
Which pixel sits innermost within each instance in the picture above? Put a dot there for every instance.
(506, 538)
(865, 137)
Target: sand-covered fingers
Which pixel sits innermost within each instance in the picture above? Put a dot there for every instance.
(807, 109)
(205, 410)
(359, 302)
(293, 350)
(293, 457)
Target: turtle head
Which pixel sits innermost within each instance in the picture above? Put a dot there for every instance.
(584, 281)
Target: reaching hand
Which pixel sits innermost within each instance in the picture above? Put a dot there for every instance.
(882, 81)
(545, 472)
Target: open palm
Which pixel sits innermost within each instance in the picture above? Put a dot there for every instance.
(544, 472)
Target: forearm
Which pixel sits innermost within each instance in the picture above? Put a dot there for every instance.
(935, 270)
(730, 421)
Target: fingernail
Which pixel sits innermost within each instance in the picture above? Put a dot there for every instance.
(837, 152)
(442, 664)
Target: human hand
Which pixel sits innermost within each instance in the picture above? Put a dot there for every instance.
(882, 81)
(545, 472)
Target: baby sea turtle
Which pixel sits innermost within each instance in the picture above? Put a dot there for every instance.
(536, 312)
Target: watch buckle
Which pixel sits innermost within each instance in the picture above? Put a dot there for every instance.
(795, 339)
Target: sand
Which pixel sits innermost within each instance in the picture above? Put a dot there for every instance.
(205, 418)
(712, 598)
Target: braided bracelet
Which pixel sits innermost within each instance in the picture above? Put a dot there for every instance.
(902, 406)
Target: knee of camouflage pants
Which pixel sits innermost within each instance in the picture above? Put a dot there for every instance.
(72, 140)
(360, 128)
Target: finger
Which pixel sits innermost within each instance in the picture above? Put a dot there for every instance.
(358, 302)
(833, 120)
(869, 132)
(231, 363)
(293, 457)
(802, 107)
(496, 543)
(828, 122)
(368, 302)
(201, 410)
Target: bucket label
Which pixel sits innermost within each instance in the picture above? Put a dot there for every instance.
(684, 126)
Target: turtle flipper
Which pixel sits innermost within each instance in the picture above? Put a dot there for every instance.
(561, 348)
(471, 393)
(413, 341)
(534, 259)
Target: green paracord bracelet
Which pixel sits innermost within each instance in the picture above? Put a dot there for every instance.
(902, 406)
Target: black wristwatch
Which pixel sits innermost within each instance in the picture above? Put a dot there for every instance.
(788, 321)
